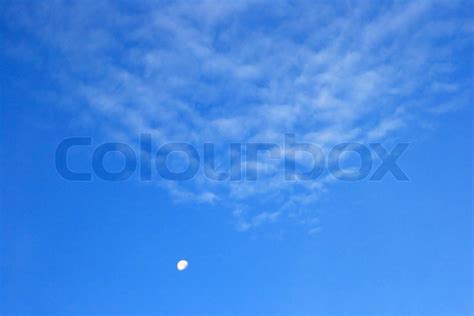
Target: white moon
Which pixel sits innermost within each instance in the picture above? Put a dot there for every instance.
(182, 265)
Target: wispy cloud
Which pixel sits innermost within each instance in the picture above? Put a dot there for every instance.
(251, 71)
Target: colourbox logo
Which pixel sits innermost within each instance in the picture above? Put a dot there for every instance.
(245, 160)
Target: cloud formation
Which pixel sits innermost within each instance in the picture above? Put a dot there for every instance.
(251, 71)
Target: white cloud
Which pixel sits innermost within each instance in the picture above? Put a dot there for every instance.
(220, 71)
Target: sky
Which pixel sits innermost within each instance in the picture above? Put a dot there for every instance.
(246, 72)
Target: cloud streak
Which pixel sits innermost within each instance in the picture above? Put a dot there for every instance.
(251, 71)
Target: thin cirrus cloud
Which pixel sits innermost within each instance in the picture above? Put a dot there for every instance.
(251, 71)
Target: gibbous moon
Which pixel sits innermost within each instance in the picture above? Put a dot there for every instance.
(182, 265)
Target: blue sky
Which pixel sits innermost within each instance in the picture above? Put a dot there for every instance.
(226, 72)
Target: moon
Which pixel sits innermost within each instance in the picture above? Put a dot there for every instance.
(182, 265)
